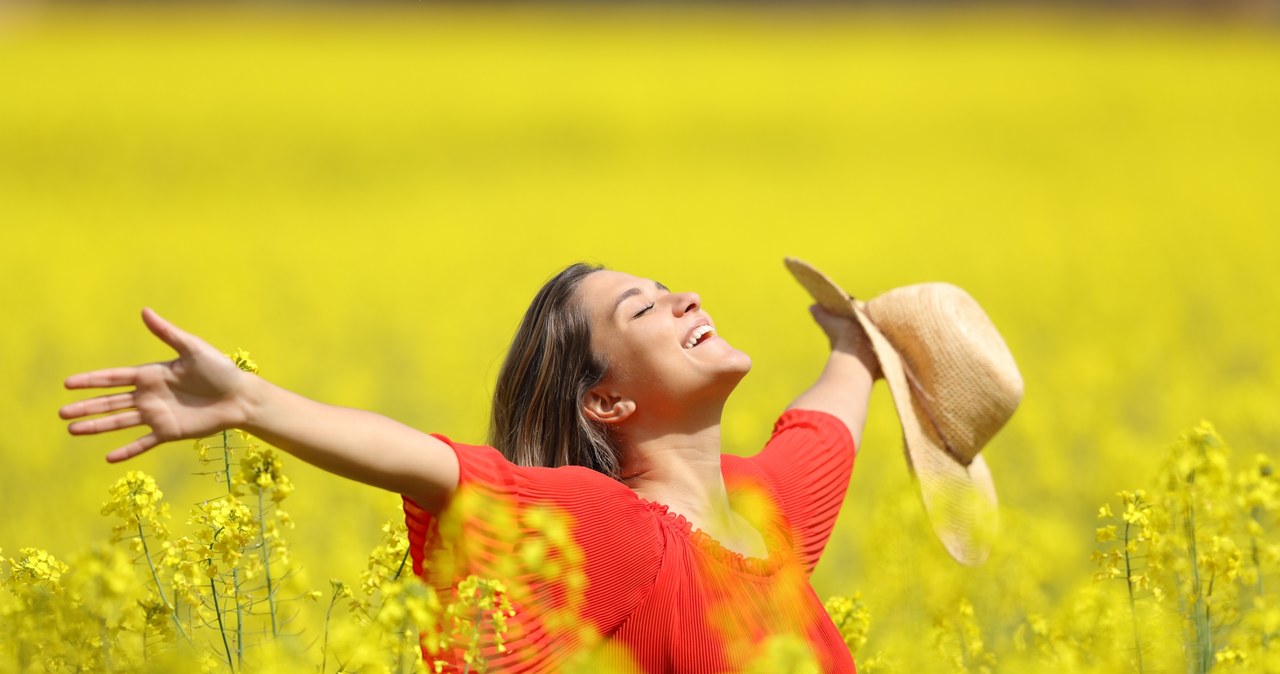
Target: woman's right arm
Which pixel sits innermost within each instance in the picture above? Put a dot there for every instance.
(202, 392)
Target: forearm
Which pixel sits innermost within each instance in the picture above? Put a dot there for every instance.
(844, 387)
(355, 444)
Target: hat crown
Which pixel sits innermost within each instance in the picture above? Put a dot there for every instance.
(965, 373)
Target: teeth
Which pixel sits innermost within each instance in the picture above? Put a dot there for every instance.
(696, 335)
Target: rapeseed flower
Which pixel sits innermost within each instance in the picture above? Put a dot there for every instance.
(958, 637)
(137, 500)
(852, 619)
(36, 568)
(243, 361)
(263, 471)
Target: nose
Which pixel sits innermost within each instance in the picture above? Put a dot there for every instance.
(686, 302)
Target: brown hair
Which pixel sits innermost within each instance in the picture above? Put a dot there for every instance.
(537, 417)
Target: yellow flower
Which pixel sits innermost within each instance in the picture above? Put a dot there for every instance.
(227, 527)
(262, 469)
(242, 361)
(852, 619)
(138, 501)
(1231, 656)
(389, 559)
(36, 568)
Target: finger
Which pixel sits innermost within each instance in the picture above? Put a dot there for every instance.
(170, 334)
(99, 405)
(116, 376)
(114, 422)
(134, 448)
(822, 313)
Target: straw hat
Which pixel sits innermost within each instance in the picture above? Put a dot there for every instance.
(955, 385)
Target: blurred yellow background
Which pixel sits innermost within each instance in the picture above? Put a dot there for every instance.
(367, 200)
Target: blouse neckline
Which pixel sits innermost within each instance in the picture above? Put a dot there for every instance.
(756, 566)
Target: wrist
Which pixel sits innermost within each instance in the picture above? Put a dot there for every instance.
(849, 341)
(250, 402)
(858, 346)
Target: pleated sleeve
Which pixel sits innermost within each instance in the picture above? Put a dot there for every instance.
(807, 463)
(574, 549)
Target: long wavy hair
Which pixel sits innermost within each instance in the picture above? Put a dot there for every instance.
(537, 417)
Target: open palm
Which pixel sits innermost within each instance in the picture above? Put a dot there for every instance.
(197, 394)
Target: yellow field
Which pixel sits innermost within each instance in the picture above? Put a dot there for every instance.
(367, 201)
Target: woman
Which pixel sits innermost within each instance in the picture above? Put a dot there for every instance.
(607, 413)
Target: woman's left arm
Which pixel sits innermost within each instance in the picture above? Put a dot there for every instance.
(844, 387)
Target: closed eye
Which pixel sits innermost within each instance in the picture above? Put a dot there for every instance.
(643, 311)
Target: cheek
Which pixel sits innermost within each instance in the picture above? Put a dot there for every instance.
(618, 356)
(640, 361)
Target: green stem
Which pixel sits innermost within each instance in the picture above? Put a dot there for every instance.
(235, 573)
(106, 645)
(479, 628)
(266, 564)
(404, 623)
(1257, 566)
(400, 569)
(1133, 607)
(222, 628)
(173, 609)
(1204, 644)
(226, 460)
(324, 649)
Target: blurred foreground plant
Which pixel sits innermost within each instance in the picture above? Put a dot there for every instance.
(1186, 546)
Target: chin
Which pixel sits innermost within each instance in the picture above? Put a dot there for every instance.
(740, 360)
(737, 366)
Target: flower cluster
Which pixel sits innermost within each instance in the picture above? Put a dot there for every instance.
(475, 602)
(956, 633)
(93, 614)
(36, 570)
(1200, 540)
(225, 528)
(262, 471)
(852, 619)
(1134, 534)
(138, 502)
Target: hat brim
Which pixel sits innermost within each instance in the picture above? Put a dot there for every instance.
(960, 500)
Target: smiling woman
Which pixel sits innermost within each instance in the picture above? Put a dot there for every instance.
(672, 554)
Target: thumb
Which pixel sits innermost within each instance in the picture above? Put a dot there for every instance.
(167, 332)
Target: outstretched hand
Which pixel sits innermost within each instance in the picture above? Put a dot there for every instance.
(199, 393)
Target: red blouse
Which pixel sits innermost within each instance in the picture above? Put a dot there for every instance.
(656, 595)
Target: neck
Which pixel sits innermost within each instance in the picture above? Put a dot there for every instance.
(677, 463)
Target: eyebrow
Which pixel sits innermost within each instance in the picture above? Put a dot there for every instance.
(631, 292)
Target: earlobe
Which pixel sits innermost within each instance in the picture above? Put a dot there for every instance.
(607, 407)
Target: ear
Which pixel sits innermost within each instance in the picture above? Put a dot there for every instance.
(607, 406)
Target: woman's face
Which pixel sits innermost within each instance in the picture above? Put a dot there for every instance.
(660, 348)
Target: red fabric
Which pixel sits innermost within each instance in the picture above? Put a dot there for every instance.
(664, 597)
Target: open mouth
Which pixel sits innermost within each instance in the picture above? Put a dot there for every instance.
(699, 335)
